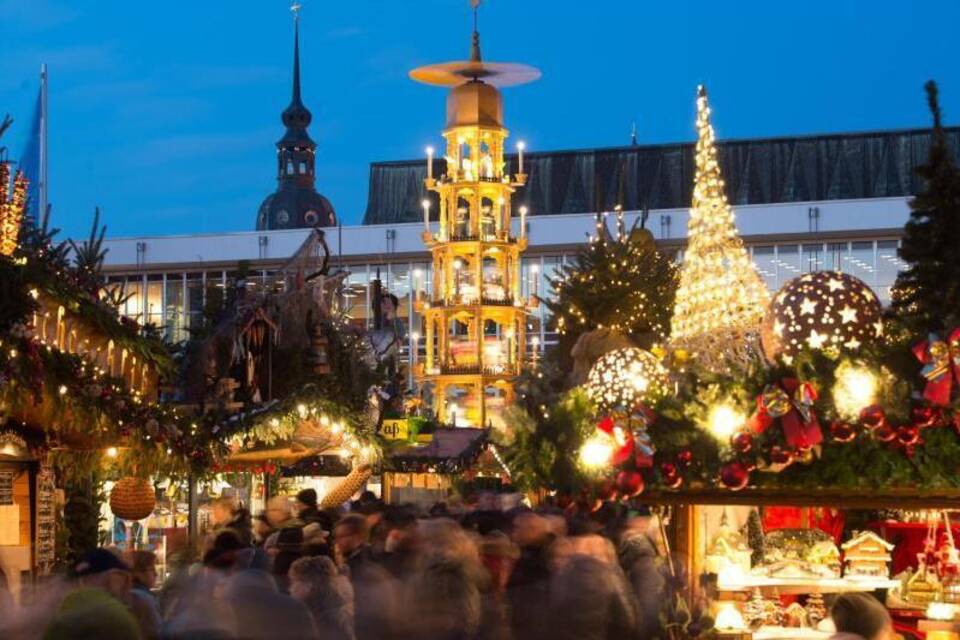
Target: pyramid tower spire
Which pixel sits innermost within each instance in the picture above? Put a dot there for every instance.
(721, 298)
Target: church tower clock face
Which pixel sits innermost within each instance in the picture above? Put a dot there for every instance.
(311, 217)
(283, 217)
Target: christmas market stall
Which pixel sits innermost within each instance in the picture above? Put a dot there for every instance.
(78, 397)
(286, 383)
(789, 447)
(425, 473)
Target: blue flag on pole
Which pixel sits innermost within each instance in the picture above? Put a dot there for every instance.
(30, 163)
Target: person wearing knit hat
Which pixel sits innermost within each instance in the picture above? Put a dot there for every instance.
(104, 571)
(89, 612)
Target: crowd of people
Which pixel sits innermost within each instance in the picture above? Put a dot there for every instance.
(376, 572)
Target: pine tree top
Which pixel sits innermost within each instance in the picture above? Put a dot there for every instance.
(927, 293)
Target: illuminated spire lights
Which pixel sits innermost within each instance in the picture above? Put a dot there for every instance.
(12, 205)
(721, 299)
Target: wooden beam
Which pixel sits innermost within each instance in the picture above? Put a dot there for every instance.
(947, 498)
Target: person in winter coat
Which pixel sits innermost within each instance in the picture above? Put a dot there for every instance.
(284, 544)
(858, 616)
(262, 612)
(316, 582)
(226, 515)
(305, 504)
(374, 589)
(638, 558)
(529, 583)
(590, 600)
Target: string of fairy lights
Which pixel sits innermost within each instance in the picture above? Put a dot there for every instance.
(721, 298)
(11, 208)
(601, 289)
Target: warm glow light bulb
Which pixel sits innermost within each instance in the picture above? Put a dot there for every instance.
(724, 420)
(855, 388)
(729, 617)
(596, 452)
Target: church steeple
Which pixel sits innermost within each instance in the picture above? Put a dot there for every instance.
(296, 117)
(296, 203)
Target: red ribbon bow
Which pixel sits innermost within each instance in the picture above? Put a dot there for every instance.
(628, 430)
(791, 401)
(941, 366)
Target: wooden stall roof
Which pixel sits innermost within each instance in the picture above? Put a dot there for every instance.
(461, 445)
(849, 498)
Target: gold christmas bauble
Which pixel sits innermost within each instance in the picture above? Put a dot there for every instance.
(132, 498)
(624, 378)
(820, 311)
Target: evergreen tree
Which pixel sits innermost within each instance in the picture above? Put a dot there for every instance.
(927, 293)
(624, 284)
(755, 538)
(88, 256)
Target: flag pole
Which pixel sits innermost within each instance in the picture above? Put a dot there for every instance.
(43, 142)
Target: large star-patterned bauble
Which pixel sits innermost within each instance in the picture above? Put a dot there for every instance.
(624, 378)
(819, 311)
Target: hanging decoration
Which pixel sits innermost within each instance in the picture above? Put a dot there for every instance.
(624, 378)
(941, 366)
(46, 529)
(132, 498)
(721, 297)
(820, 311)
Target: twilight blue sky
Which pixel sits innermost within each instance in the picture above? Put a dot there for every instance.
(165, 113)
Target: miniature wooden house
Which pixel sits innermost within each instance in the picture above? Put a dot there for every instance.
(727, 550)
(866, 555)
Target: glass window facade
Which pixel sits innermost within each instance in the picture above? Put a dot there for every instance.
(175, 301)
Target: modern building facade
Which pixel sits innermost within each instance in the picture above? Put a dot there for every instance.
(857, 231)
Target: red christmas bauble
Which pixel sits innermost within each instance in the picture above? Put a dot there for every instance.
(873, 417)
(734, 476)
(885, 433)
(670, 475)
(925, 417)
(908, 435)
(779, 455)
(629, 483)
(685, 458)
(842, 432)
(743, 442)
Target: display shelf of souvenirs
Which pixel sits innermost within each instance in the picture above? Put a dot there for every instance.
(767, 617)
(727, 551)
(800, 586)
(790, 633)
(915, 589)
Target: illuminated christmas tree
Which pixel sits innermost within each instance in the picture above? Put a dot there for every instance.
(721, 298)
(624, 284)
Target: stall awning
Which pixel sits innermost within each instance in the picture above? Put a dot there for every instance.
(450, 451)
